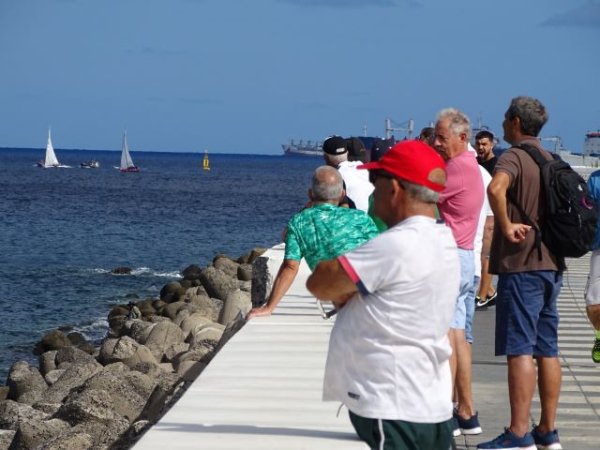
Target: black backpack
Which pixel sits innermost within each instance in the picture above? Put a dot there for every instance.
(570, 214)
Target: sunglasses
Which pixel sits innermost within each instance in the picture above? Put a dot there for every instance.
(378, 173)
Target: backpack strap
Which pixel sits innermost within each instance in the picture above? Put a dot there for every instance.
(536, 155)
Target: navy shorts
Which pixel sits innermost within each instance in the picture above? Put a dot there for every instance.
(526, 313)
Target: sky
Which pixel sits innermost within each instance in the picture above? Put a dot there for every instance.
(245, 76)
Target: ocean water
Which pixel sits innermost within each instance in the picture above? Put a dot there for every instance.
(63, 230)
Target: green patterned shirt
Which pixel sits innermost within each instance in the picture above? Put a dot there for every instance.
(326, 231)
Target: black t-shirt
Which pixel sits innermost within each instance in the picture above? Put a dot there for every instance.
(489, 164)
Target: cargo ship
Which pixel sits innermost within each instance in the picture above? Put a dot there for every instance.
(315, 148)
(303, 149)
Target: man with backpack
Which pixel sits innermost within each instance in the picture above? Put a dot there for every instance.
(529, 281)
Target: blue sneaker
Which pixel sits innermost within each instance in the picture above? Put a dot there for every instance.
(509, 441)
(548, 441)
(468, 426)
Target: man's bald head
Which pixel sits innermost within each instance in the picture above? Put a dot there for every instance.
(327, 185)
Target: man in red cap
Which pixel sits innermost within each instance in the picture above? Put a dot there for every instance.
(388, 358)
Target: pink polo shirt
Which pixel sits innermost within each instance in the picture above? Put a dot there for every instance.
(461, 200)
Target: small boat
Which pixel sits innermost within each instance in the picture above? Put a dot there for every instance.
(91, 164)
(50, 160)
(127, 164)
(205, 163)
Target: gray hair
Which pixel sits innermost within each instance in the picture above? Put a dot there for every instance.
(420, 193)
(459, 121)
(327, 184)
(532, 113)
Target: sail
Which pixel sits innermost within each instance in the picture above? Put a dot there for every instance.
(126, 160)
(50, 160)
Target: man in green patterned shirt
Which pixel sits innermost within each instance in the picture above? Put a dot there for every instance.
(319, 232)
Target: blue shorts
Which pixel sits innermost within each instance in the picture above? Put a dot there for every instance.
(526, 313)
(470, 307)
(467, 272)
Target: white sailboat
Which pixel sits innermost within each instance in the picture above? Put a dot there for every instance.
(50, 160)
(127, 164)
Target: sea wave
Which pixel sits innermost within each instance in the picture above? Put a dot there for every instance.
(168, 274)
(151, 272)
(92, 330)
(139, 271)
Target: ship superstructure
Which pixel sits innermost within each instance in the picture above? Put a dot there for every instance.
(591, 145)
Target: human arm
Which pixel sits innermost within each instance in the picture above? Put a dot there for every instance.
(284, 279)
(329, 281)
(497, 189)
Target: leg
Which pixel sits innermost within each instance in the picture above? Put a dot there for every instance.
(453, 336)
(546, 355)
(592, 301)
(457, 327)
(522, 299)
(549, 381)
(464, 392)
(485, 285)
(521, 386)
(462, 347)
(593, 313)
(485, 288)
(592, 291)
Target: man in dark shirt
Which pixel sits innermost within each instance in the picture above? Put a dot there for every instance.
(528, 285)
(484, 145)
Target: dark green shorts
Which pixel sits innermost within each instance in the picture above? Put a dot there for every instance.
(400, 435)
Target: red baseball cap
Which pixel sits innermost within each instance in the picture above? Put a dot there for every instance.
(415, 162)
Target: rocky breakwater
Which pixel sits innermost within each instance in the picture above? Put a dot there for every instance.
(104, 397)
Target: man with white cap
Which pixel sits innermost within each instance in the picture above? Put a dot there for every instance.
(356, 182)
(388, 359)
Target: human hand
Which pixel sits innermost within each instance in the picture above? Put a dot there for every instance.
(516, 232)
(258, 312)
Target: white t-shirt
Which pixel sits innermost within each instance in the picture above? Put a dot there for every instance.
(388, 351)
(358, 186)
(486, 211)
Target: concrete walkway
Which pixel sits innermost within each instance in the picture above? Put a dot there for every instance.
(578, 419)
(263, 390)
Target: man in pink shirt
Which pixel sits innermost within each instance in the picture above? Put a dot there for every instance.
(459, 206)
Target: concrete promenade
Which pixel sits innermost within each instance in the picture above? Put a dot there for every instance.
(578, 419)
(263, 390)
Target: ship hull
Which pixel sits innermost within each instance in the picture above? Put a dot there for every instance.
(295, 151)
